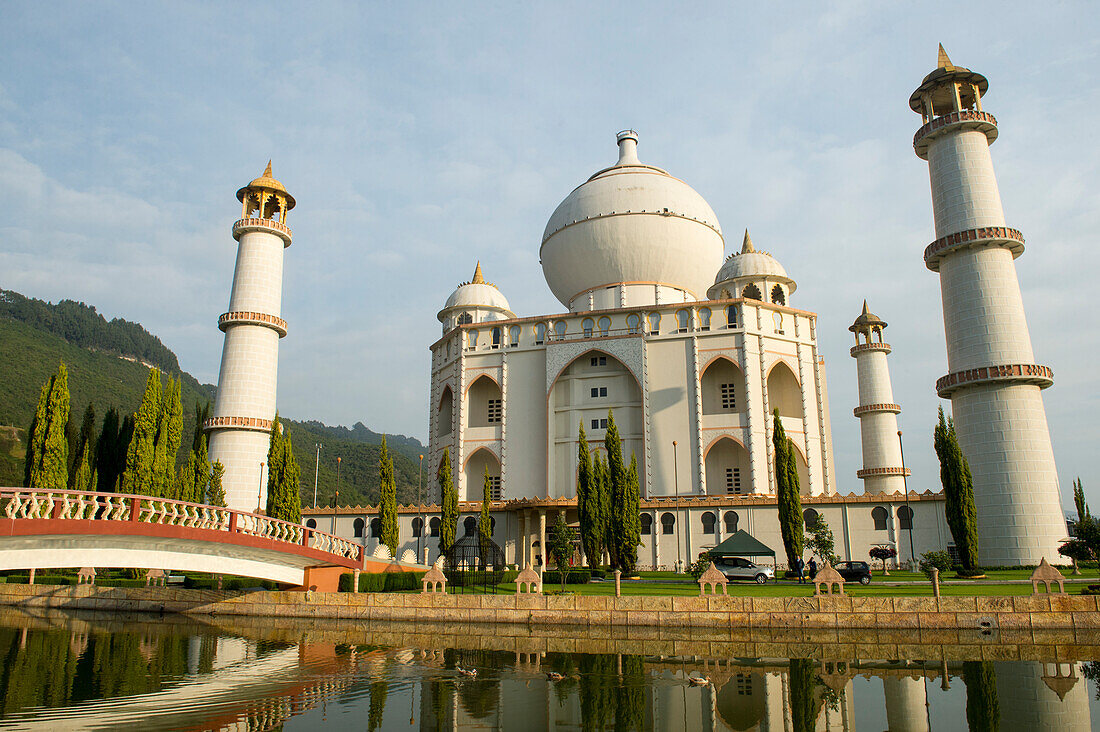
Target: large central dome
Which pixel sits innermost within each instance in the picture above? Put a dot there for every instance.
(631, 224)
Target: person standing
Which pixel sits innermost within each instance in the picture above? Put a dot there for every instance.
(813, 568)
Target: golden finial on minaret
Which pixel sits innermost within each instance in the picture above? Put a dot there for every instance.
(746, 245)
(267, 196)
(478, 279)
(944, 62)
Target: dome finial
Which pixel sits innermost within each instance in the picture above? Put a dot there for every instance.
(944, 62)
(478, 279)
(267, 171)
(865, 310)
(746, 245)
(627, 141)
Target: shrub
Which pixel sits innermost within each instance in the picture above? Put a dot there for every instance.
(700, 565)
(383, 581)
(934, 560)
(572, 577)
(1091, 590)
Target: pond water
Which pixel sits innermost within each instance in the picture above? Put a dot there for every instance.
(77, 670)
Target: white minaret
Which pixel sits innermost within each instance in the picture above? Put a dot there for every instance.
(245, 406)
(993, 380)
(878, 422)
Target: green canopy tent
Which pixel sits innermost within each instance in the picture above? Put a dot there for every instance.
(742, 544)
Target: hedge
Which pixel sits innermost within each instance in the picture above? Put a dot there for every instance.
(383, 581)
(572, 577)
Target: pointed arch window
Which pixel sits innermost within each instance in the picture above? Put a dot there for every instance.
(357, 527)
(731, 316)
(540, 334)
(586, 325)
(809, 517)
(633, 323)
(560, 328)
(709, 520)
(730, 519)
(471, 338)
(513, 336)
(751, 292)
(704, 319)
(778, 297)
(668, 523)
(683, 321)
(654, 323)
(905, 518)
(433, 526)
(605, 326)
(646, 523)
(497, 335)
(465, 319)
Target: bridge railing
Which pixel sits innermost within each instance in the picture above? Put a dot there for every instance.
(29, 503)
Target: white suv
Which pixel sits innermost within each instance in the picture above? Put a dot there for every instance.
(736, 568)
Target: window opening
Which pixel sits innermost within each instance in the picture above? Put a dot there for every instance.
(494, 489)
(777, 296)
(880, 516)
(729, 396)
(654, 323)
(777, 319)
(465, 319)
(587, 325)
(905, 518)
(708, 522)
(633, 323)
(809, 517)
(433, 526)
(496, 409)
(731, 316)
(730, 519)
(471, 337)
(704, 319)
(540, 334)
(646, 523)
(598, 391)
(683, 321)
(496, 337)
(559, 330)
(733, 481)
(598, 361)
(605, 326)
(751, 292)
(513, 335)
(667, 522)
(418, 527)
(358, 526)
(376, 527)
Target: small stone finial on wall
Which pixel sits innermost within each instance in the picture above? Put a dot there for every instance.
(156, 578)
(1047, 574)
(618, 583)
(713, 579)
(86, 576)
(434, 580)
(528, 581)
(828, 577)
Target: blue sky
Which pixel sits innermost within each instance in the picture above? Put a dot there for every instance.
(419, 138)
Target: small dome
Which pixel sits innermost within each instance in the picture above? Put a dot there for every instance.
(630, 223)
(750, 263)
(267, 182)
(866, 319)
(477, 293)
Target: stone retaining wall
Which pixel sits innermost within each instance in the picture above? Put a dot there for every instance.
(923, 613)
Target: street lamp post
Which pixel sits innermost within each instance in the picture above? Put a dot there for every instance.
(336, 499)
(676, 483)
(908, 510)
(419, 506)
(316, 468)
(260, 492)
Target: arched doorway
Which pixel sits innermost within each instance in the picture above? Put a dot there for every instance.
(727, 468)
(723, 388)
(476, 465)
(484, 407)
(784, 393)
(445, 413)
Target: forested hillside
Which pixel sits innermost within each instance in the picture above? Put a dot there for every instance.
(29, 355)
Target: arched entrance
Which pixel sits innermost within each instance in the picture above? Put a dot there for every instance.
(723, 388)
(727, 468)
(784, 393)
(483, 403)
(476, 465)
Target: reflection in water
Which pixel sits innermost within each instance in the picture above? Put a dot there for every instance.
(84, 670)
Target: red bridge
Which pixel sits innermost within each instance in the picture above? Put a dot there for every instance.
(42, 529)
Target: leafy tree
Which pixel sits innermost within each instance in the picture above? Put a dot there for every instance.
(958, 490)
(802, 678)
(137, 477)
(84, 452)
(485, 521)
(788, 499)
(588, 503)
(699, 566)
(387, 499)
(630, 704)
(167, 443)
(882, 553)
(1079, 500)
(1076, 549)
(215, 493)
(983, 710)
(49, 468)
(601, 485)
(560, 547)
(378, 692)
(184, 486)
(284, 497)
(616, 482)
(822, 542)
(448, 523)
(934, 560)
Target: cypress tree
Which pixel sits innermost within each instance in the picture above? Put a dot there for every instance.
(485, 521)
(53, 470)
(601, 502)
(184, 489)
(291, 507)
(167, 443)
(448, 520)
(202, 472)
(387, 499)
(106, 451)
(85, 451)
(958, 491)
(36, 436)
(137, 476)
(588, 497)
(788, 500)
(616, 484)
(82, 477)
(202, 413)
(629, 526)
(1079, 500)
(274, 466)
(215, 494)
(983, 710)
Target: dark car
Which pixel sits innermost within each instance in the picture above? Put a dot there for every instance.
(854, 572)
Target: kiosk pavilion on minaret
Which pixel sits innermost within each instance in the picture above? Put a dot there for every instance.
(693, 352)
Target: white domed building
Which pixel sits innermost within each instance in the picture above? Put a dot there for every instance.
(691, 352)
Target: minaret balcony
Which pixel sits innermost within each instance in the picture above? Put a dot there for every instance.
(1023, 373)
(243, 226)
(987, 236)
(967, 119)
(248, 318)
(879, 472)
(873, 408)
(237, 423)
(869, 347)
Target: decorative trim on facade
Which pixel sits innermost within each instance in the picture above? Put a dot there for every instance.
(664, 213)
(868, 347)
(560, 354)
(1026, 373)
(879, 472)
(1003, 236)
(872, 408)
(239, 423)
(967, 118)
(242, 226)
(277, 324)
